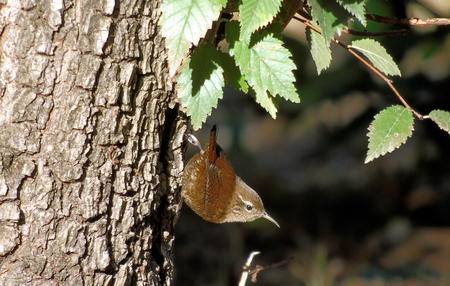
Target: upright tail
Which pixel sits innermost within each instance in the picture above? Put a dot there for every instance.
(212, 146)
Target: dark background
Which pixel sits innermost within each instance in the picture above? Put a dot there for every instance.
(343, 222)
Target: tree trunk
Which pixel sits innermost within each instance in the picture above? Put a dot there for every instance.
(90, 144)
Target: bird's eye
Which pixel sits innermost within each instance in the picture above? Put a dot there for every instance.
(249, 207)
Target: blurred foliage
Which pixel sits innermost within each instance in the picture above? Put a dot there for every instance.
(342, 222)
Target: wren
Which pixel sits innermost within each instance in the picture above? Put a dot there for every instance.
(213, 190)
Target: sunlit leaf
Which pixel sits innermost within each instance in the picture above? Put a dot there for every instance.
(356, 8)
(320, 50)
(377, 54)
(255, 14)
(441, 118)
(266, 65)
(183, 23)
(200, 84)
(389, 130)
(330, 16)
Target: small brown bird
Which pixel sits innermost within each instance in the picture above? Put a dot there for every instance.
(212, 189)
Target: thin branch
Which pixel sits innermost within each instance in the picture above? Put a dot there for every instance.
(367, 64)
(409, 21)
(246, 268)
(375, 34)
(381, 75)
(307, 23)
(259, 268)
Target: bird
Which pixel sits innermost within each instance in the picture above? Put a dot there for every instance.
(211, 188)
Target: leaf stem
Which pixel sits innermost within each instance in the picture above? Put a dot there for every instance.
(246, 268)
(367, 64)
(375, 34)
(409, 21)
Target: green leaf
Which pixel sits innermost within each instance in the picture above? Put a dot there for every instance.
(356, 8)
(183, 23)
(255, 14)
(330, 16)
(389, 130)
(200, 84)
(441, 118)
(266, 102)
(266, 65)
(320, 50)
(377, 54)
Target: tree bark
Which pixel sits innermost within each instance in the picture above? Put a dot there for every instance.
(90, 144)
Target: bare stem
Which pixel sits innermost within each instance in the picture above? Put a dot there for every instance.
(259, 268)
(375, 34)
(367, 64)
(246, 268)
(409, 21)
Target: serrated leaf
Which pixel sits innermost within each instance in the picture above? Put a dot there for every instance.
(441, 118)
(320, 50)
(200, 84)
(389, 130)
(356, 8)
(330, 16)
(266, 65)
(183, 23)
(378, 55)
(255, 14)
(267, 103)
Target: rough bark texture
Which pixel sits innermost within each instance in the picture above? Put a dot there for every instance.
(90, 147)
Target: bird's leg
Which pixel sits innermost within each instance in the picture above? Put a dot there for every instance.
(194, 141)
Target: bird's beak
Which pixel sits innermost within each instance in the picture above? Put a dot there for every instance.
(269, 218)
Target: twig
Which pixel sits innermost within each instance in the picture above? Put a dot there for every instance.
(409, 21)
(381, 75)
(259, 268)
(246, 268)
(366, 63)
(375, 34)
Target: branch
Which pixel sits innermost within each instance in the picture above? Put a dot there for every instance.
(375, 34)
(367, 64)
(381, 75)
(409, 21)
(259, 268)
(246, 268)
